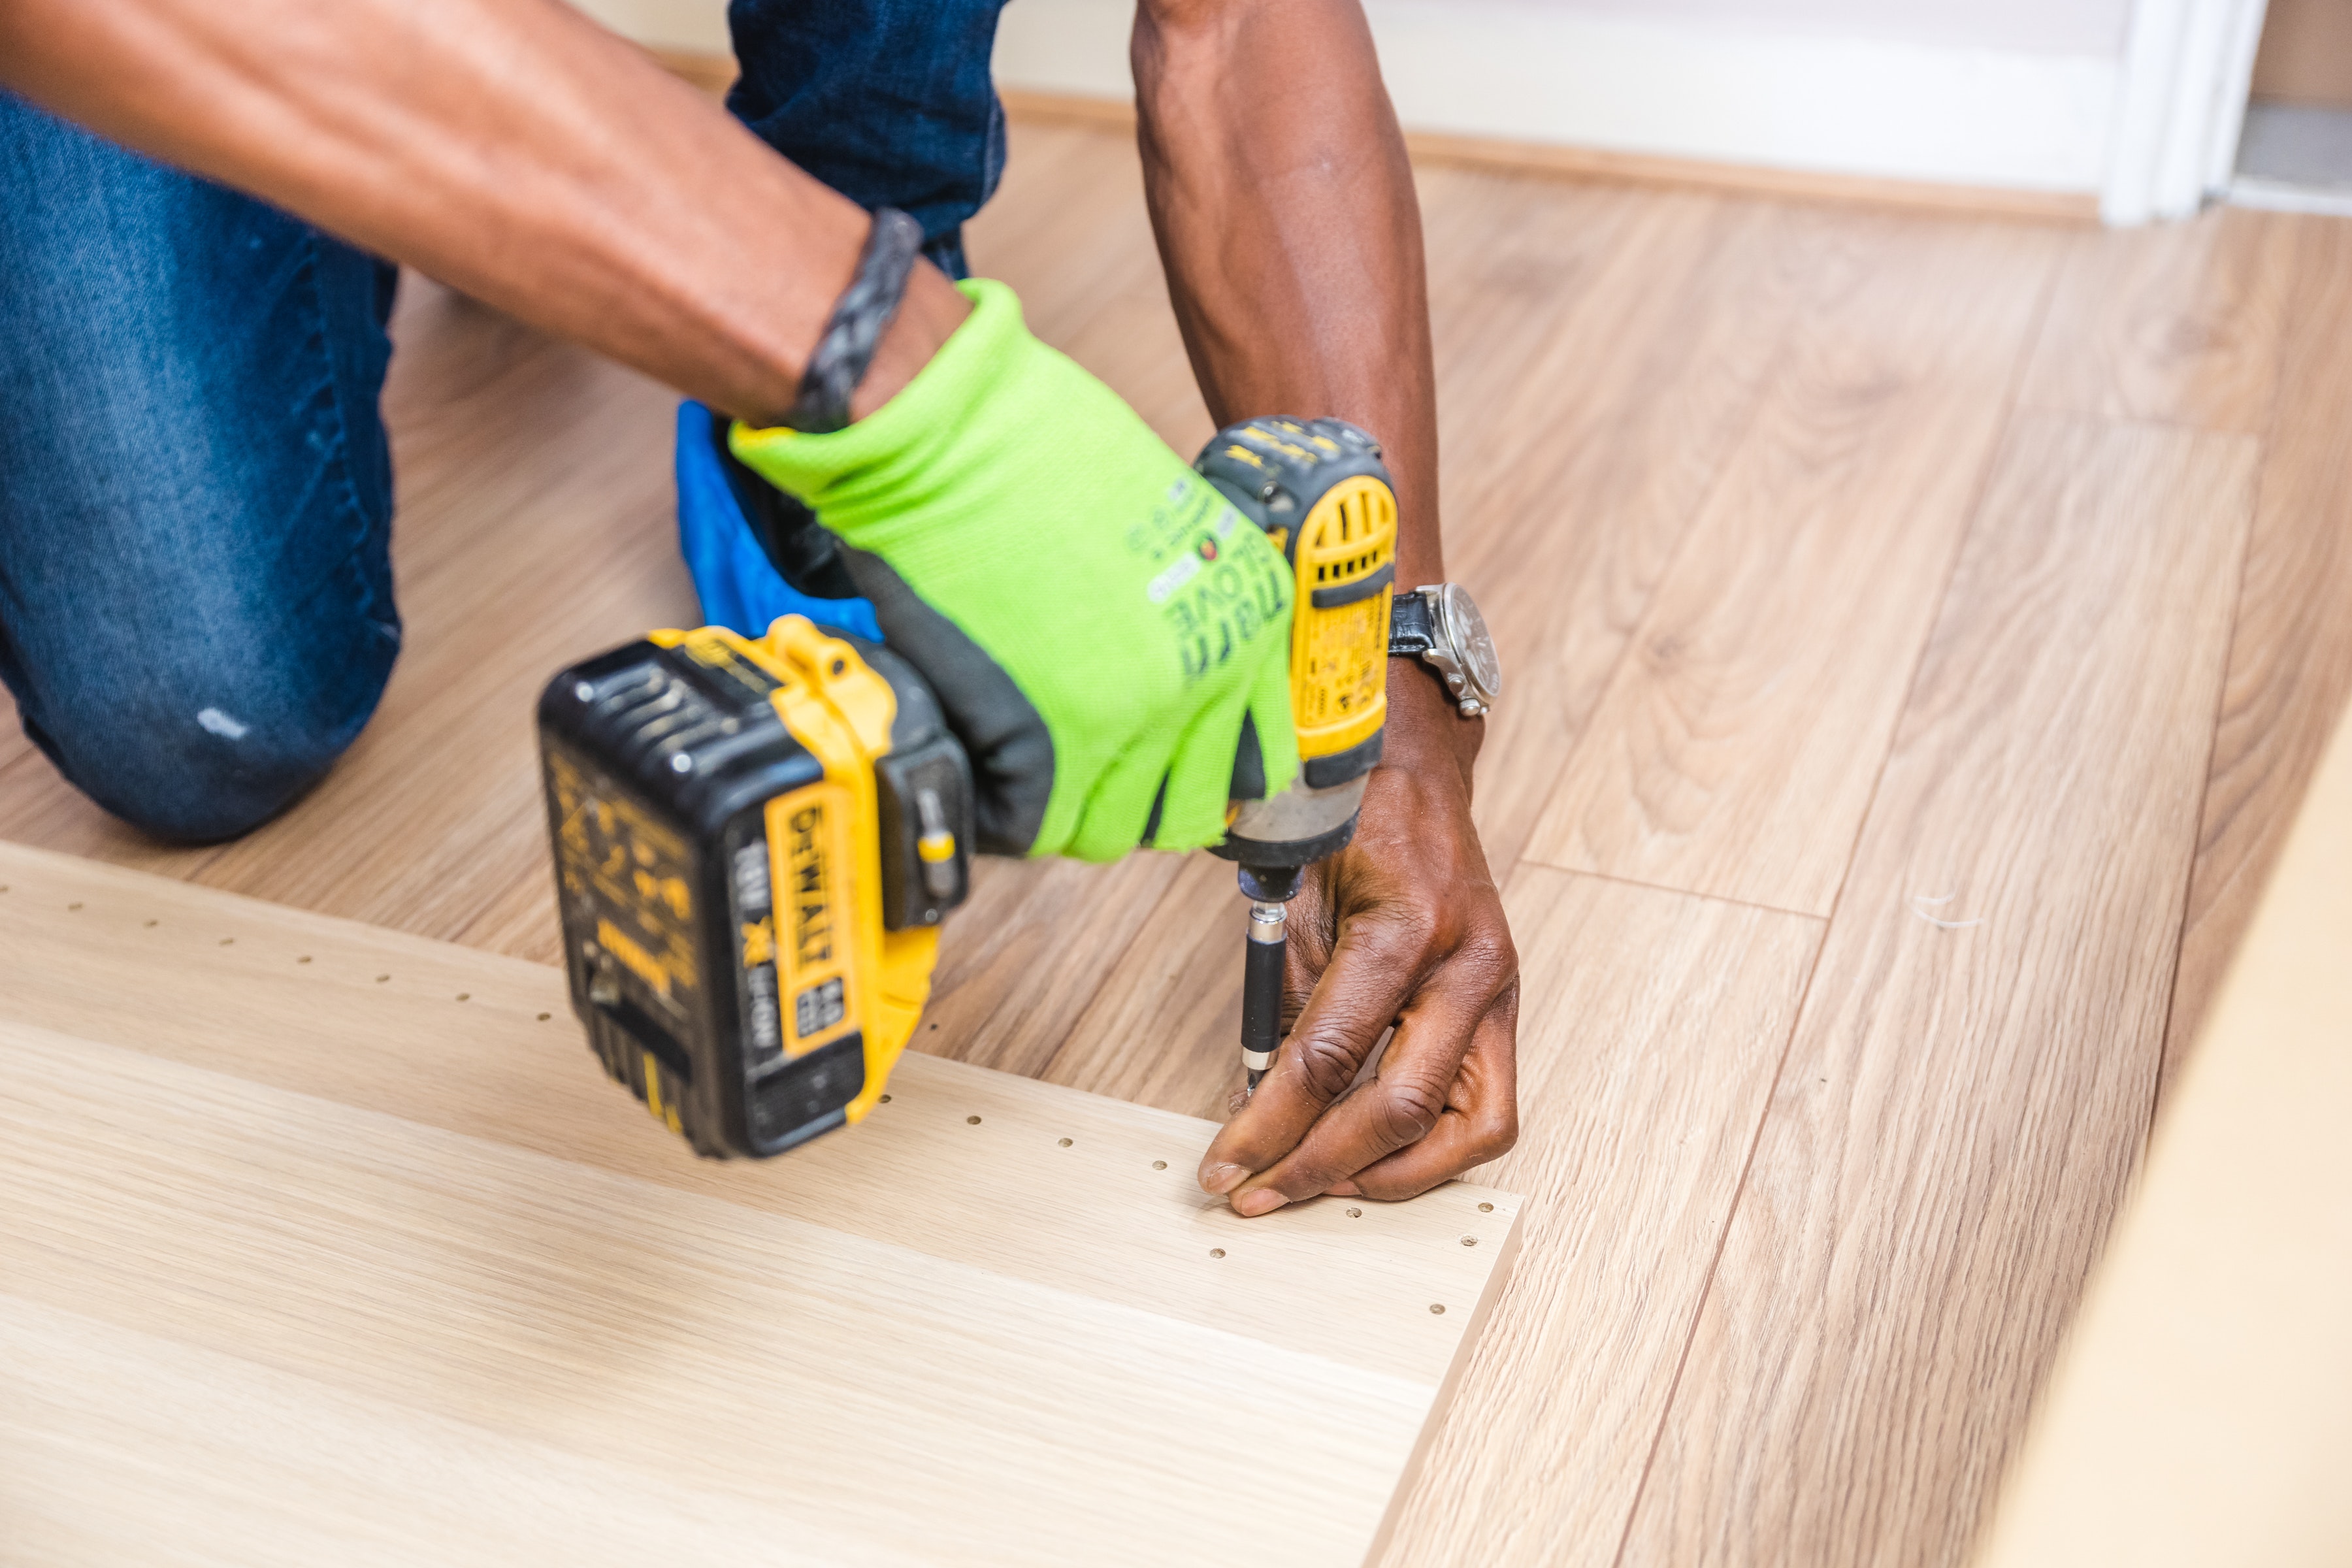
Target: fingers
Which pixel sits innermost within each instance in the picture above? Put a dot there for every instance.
(1373, 970)
(1199, 776)
(1403, 1106)
(1278, 737)
(1112, 820)
(1480, 1122)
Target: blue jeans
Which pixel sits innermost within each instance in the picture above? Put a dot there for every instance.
(197, 612)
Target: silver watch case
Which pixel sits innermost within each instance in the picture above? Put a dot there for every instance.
(1460, 650)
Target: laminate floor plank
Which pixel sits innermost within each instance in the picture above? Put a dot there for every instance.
(1577, 463)
(2196, 1417)
(1654, 1023)
(1611, 351)
(2178, 322)
(2290, 655)
(1971, 1080)
(1734, 750)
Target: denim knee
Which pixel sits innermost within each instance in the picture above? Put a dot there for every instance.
(218, 738)
(196, 610)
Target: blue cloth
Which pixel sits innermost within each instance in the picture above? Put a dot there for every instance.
(196, 609)
(739, 588)
(195, 493)
(887, 101)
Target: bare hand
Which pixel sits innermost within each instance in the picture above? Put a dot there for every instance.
(1404, 927)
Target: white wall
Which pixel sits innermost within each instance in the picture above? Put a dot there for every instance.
(1673, 79)
(2019, 94)
(2032, 27)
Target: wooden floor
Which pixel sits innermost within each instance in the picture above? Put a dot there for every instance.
(1918, 632)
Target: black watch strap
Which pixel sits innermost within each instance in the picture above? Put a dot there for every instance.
(860, 317)
(1412, 633)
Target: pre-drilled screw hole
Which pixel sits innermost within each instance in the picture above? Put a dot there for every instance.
(1216, 1252)
(70, 908)
(1486, 1208)
(1355, 1214)
(228, 942)
(1063, 1143)
(149, 923)
(304, 958)
(972, 1120)
(465, 996)
(1438, 1308)
(1469, 1241)
(544, 1017)
(886, 1100)
(1159, 1164)
(381, 978)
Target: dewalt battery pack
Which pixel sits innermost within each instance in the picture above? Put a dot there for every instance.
(755, 842)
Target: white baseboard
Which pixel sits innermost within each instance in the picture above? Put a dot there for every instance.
(1512, 69)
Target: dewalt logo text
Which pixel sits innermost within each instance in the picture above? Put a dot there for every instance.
(810, 872)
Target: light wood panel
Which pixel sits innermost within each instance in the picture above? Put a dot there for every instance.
(1969, 1082)
(996, 1322)
(1735, 749)
(1654, 1024)
(2183, 322)
(2196, 1418)
(2290, 656)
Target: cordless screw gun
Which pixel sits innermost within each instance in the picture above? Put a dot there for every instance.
(755, 840)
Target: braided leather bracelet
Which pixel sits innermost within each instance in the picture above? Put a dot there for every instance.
(859, 319)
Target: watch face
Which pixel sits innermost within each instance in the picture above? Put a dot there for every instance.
(1465, 628)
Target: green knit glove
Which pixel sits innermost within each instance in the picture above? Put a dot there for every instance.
(1097, 621)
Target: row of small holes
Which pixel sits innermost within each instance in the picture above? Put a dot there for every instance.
(1353, 1213)
(1437, 1309)
(381, 979)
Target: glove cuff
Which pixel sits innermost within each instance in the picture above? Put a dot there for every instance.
(984, 348)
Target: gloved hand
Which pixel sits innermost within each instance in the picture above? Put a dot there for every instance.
(1095, 620)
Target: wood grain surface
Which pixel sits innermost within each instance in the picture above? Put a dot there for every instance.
(1969, 1082)
(310, 1173)
(2290, 656)
(2180, 324)
(1709, 465)
(1734, 752)
(2196, 1418)
(1655, 1022)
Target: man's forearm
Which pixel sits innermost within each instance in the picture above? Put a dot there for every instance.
(509, 147)
(1289, 229)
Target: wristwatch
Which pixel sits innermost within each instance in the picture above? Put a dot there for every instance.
(1439, 626)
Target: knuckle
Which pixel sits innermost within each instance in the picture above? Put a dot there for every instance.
(1408, 1107)
(1402, 926)
(1490, 950)
(1494, 1136)
(1326, 1065)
